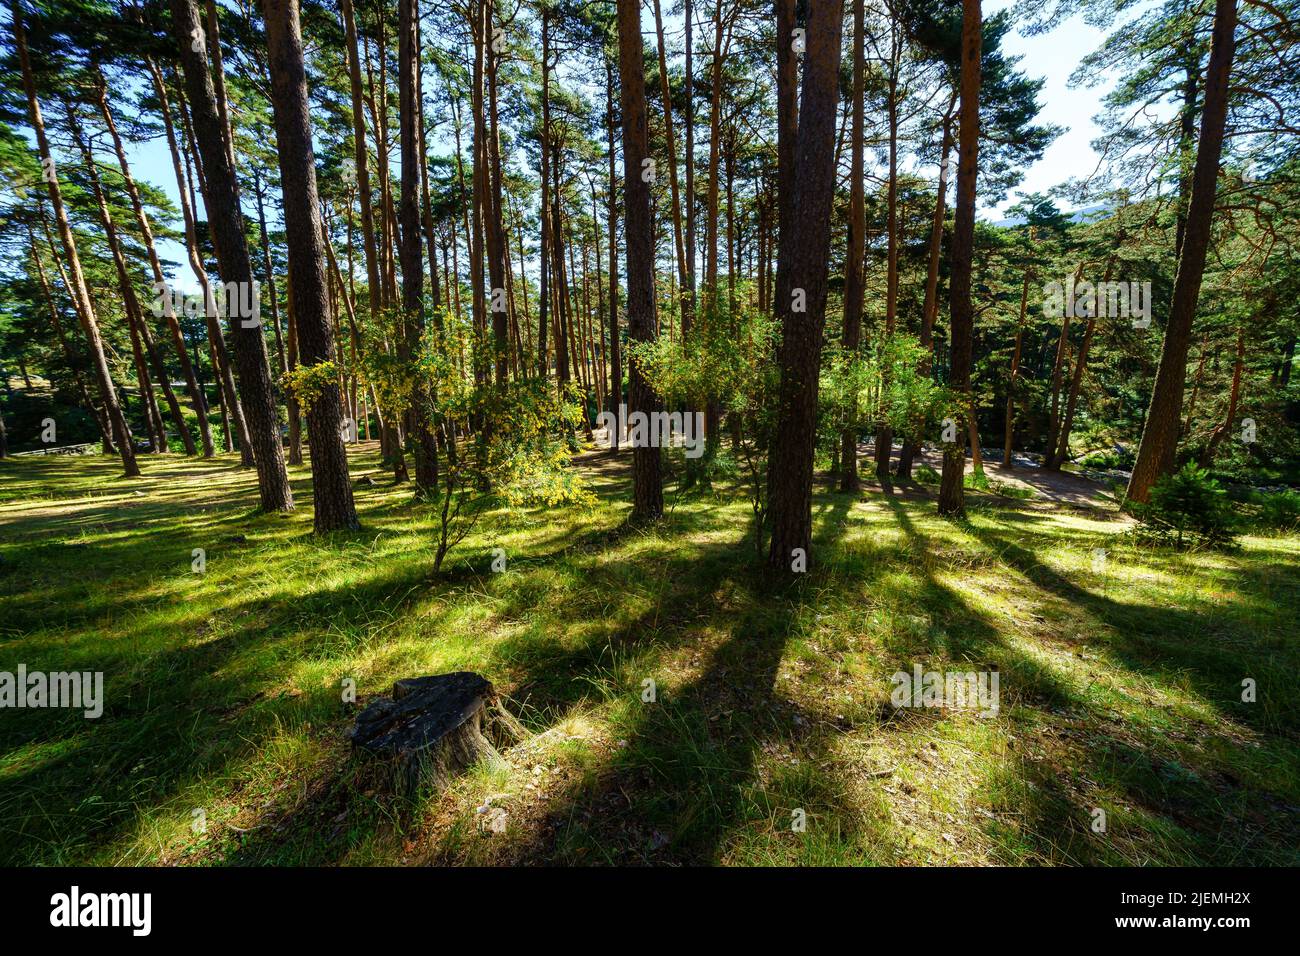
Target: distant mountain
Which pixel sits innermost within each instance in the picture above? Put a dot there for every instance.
(1079, 215)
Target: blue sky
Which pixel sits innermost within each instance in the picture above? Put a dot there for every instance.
(1054, 57)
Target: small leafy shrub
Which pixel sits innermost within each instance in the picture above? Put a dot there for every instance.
(925, 475)
(1277, 510)
(1114, 458)
(1011, 491)
(1188, 506)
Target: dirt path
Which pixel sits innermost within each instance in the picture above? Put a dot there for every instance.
(1048, 487)
(1063, 487)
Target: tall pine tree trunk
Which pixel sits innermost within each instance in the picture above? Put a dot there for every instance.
(801, 290)
(930, 308)
(961, 314)
(412, 255)
(77, 282)
(885, 434)
(331, 490)
(1160, 435)
(232, 253)
(853, 278)
(647, 466)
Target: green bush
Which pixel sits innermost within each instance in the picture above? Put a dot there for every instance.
(1114, 458)
(1188, 506)
(1277, 510)
(925, 475)
(1011, 491)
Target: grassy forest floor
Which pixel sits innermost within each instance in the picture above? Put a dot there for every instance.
(1120, 680)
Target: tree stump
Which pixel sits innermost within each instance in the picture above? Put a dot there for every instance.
(430, 730)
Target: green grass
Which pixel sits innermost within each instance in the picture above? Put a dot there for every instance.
(1120, 681)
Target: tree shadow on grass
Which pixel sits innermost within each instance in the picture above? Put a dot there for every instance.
(1160, 808)
(688, 774)
(1169, 644)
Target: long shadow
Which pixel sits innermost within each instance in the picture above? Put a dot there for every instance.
(686, 776)
(1202, 813)
(543, 676)
(1168, 643)
(184, 716)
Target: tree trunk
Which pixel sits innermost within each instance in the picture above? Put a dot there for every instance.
(229, 400)
(615, 342)
(493, 211)
(787, 121)
(425, 445)
(885, 434)
(141, 338)
(1062, 450)
(647, 479)
(671, 142)
(1160, 435)
(1007, 464)
(543, 263)
(331, 489)
(801, 288)
(1058, 372)
(77, 281)
(272, 297)
(197, 399)
(961, 317)
(1234, 398)
(930, 310)
(688, 313)
(232, 254)
(853, 268)
(74, 363)
(373, 288)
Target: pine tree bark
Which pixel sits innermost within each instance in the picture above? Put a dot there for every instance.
(854, 260)
(801, 281)
(647, 476)
(332, 503)
(77, 282)
(412, 255)
(961, 314)
(1160, 435)
(787, 118)
(232, 253)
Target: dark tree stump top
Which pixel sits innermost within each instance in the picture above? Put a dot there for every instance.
(422, 712)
